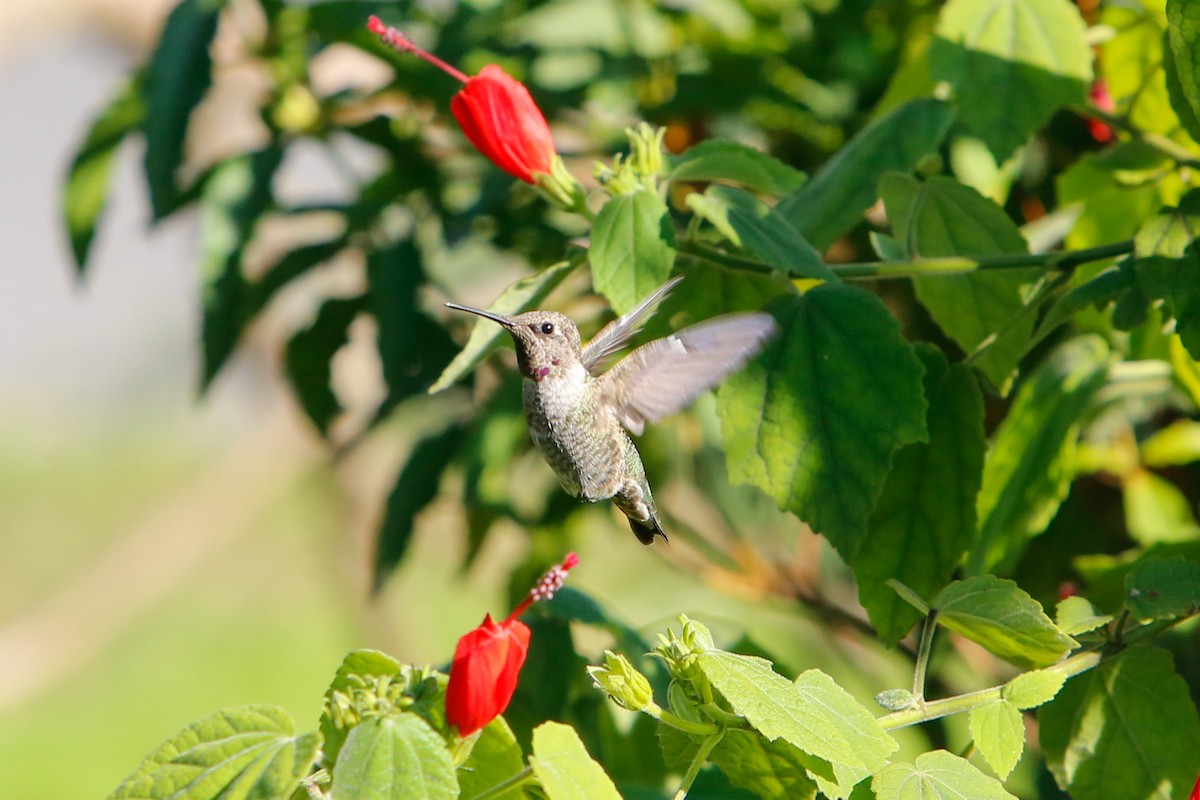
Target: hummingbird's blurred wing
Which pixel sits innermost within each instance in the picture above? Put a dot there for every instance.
(663, 376)
(613, 336)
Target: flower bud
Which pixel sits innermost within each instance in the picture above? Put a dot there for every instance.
(624, 684)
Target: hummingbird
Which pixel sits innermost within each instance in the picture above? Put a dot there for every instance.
(580, 416)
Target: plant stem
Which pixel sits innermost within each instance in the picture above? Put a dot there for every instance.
(957, 265)
(522, 777)
(675, 721)
(923, 651)
(1076, 664)
(946, 265)
(698, 762)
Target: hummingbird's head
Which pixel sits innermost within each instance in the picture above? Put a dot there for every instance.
(547, 342)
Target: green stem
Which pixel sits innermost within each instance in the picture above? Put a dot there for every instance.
(675, 721)
(698, 763)
(946, 265)
(521, 778)
(924, 712)
(957, 265)
(923, 651)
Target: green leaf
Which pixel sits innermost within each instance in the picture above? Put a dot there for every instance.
(495, 757)
(1127, 728)
(999, 733)
(1031, 462)
(416, 487)
(1098, 291)
(1171, 231)
(243, 753)
(178, 75)
(987, 313)
(309, 356)
(1110, 211)
(1034, 688)
(563, 767)
(842, 740)
(709, 290)
(772, 770)
(395, 758)
(1155, 509)
(86, 190)
(723, 160)
(834, 200)
(815, 419)
(1183, 63)
(1000, 617)
(1159, 588)
(937, 775)
(366, 664)
(633, 248)
(924, 521)
(1012, 64)
(1173, 446)
(412, 347)
(524, 295)
(853, 722)
(1076, 615)
(1177, 282)
(759, 230)
(235, 197)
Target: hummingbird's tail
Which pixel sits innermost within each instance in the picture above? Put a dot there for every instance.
(646, 531)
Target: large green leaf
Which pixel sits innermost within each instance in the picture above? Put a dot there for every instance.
(1156, 510)
(524, 295)
(925, 519)
(235, 197)
(1034, 688)
(999, 616)
(1158, 588)
(834, 200)
(815, 419)
(709, 290)
(495, 757)
(86, 190)
(1127, 728)
(1183, 60)
(985, 312)
(309, 359)
(999, 733)
(633, 248)
(399, 757)
(1012, 63)
(842, 740)
(937, 775)
(563, 767)
(178, 75)
(416, 486)
(243, 753)
(853, 722)
(1168, 266)
(760, 230)
(772, 770)
(1031, 462)
(723, 160)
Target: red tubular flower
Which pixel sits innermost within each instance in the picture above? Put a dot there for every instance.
(494, 110)
(1195, 795)
(1103, 100)
(488, 660)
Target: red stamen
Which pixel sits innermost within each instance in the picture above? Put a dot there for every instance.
(395, 39)
(545, 589)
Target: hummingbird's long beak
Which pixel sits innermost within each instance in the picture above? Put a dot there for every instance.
(497, 318)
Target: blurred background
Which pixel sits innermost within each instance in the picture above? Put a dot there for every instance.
(138, 522)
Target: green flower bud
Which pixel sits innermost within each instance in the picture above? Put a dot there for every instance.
(646, 156)
(560, 187)
(622, 682)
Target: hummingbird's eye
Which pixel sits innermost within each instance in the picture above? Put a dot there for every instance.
(547, 328)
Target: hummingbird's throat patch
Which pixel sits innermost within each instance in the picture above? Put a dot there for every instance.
(542, 373)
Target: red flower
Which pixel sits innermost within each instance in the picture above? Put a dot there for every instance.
(488, 660)
(1103, 100)
(1195, 795)
(494, 110)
